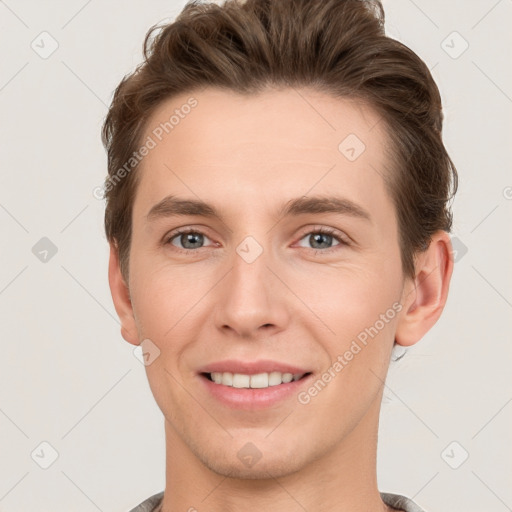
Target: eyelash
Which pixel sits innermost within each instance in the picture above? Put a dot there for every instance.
(320, 230)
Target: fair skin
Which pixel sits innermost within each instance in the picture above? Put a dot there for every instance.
(302, 301)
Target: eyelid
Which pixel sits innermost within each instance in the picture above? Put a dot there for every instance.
(168, 237)
(342, 238)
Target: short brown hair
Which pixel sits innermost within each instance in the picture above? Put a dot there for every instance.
(338, 47)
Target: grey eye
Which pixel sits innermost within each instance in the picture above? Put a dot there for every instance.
(190, 240)
(320, 240)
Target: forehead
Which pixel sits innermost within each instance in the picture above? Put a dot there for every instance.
(274, 143)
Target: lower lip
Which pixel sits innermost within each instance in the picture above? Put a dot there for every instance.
(253, 399)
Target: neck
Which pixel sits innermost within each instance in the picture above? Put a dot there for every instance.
(343, 479)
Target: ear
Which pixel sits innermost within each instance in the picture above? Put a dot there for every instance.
(424, 297)
(121, 297)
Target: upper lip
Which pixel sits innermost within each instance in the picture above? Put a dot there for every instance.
(251, 367)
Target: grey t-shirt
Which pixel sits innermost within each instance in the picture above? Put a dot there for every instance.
(395, 501)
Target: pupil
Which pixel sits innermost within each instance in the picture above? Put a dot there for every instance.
(318, 238)
(194, 239)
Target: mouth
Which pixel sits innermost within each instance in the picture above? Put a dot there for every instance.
(253, 385)
(253, 381)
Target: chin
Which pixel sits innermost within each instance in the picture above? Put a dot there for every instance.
(251, 457)
(277, 467)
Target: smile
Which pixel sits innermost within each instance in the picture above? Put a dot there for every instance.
(256, 381)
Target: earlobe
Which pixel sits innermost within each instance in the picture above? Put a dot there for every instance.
(425, 297)
(121, 297)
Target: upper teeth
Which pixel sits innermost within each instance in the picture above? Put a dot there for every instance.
(259, 380)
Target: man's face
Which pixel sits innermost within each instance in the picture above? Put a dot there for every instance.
(257, 285)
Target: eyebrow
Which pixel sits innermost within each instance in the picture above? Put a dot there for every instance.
(174, 206)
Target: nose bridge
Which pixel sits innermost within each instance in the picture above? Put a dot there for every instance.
(250, 298)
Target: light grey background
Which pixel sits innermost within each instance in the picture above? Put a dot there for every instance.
(68, 378)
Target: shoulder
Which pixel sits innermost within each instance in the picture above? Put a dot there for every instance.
(399, 502)
(396, 501)
(150, 504)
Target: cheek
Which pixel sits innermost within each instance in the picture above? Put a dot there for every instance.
(349, 299)
(160, 308)
(171, 306)
(364, 320)
(164, 294)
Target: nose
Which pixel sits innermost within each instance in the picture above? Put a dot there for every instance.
(252, 300)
